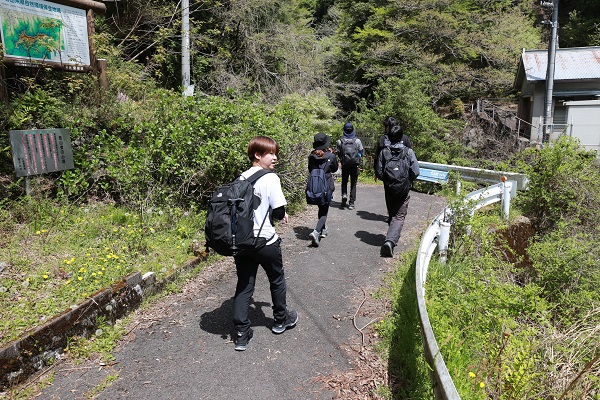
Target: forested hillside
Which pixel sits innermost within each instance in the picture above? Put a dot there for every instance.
(419, 60)
(289, 69)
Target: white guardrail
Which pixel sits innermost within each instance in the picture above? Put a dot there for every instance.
(436, 235)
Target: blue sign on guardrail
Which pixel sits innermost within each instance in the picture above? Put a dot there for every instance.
(432, 175)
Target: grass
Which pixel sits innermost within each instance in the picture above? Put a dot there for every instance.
(56, 255)
(400, 334)
(495, 329)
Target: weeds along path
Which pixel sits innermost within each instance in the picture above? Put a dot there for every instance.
(180, 347)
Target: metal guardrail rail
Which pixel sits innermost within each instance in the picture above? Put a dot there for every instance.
(444, 387)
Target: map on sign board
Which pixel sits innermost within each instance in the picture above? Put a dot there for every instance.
(41, 151)
(44, 31)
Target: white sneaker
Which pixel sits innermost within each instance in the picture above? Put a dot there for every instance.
(314, 237)
(323, 233)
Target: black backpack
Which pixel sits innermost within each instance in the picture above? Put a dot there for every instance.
(317, 189)
(349, 150)
(396, 168)
(229, 227)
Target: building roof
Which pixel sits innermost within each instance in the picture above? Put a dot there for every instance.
(577, 63)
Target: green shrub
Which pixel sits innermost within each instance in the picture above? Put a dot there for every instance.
(567, 267)
(564, 185)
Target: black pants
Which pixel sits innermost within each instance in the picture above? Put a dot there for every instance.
(269, 257)
(351, 172)
(322, 214)
(397, 207)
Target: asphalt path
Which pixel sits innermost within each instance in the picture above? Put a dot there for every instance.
(180, 347)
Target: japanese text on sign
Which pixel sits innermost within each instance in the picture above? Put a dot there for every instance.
(41, 151)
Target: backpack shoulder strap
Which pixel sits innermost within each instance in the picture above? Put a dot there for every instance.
(257, 175)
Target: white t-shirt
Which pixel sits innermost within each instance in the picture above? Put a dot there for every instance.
(268, 188)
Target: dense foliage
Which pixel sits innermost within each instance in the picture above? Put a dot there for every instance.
(171, 149)
(526, 325)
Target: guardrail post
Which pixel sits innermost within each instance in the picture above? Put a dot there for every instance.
(443, 239)
(458, 187)
(506, 198)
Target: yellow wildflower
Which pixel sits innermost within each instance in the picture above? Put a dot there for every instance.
(471, 374)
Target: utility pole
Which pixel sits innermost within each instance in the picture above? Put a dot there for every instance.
(188, 90)
(548, 118)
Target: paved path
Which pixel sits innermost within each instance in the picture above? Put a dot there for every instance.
(180, 348)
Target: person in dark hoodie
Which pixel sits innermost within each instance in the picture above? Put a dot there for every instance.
(322, 157)
(388, 123)
(397, 166)
(350, 150)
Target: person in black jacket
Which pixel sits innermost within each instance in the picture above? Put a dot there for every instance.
(322, 157)
(397, 167)
(388, 123)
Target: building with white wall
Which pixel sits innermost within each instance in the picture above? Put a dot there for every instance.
(576, 94)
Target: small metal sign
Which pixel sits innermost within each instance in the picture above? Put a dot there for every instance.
(40, 151)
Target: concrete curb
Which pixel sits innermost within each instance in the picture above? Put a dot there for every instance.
(25, 356)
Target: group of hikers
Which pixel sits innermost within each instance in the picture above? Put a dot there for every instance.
(394, 163)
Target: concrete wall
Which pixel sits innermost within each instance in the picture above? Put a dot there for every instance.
(584, 120)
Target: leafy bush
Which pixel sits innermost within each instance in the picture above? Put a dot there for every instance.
(567, 267)
(528, 328)
(564, 185)
(170, 149)
(184, 149)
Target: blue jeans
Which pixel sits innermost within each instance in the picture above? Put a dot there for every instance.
(269, 257)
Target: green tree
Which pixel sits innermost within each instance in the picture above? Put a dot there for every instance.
(471, 48)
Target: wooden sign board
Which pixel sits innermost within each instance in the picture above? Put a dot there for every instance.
(40, 151)
(54, 33)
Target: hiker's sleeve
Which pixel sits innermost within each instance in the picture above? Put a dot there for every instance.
(413, 172)
(275, 196)
(376, 157)
(333, 163)
(360, 148)
(379, 165)
(278, 213)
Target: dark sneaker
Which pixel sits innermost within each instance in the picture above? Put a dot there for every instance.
(314, 237)
(242, 339)
(351, 206)
(344, 200)
(323, 233)
(290, 322)
(387, 250)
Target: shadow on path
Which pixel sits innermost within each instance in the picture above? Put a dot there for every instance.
(372, 239)
(218, 321)
(371, 216)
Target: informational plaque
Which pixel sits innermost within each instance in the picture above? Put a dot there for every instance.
(40, 151)
(44, 31)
